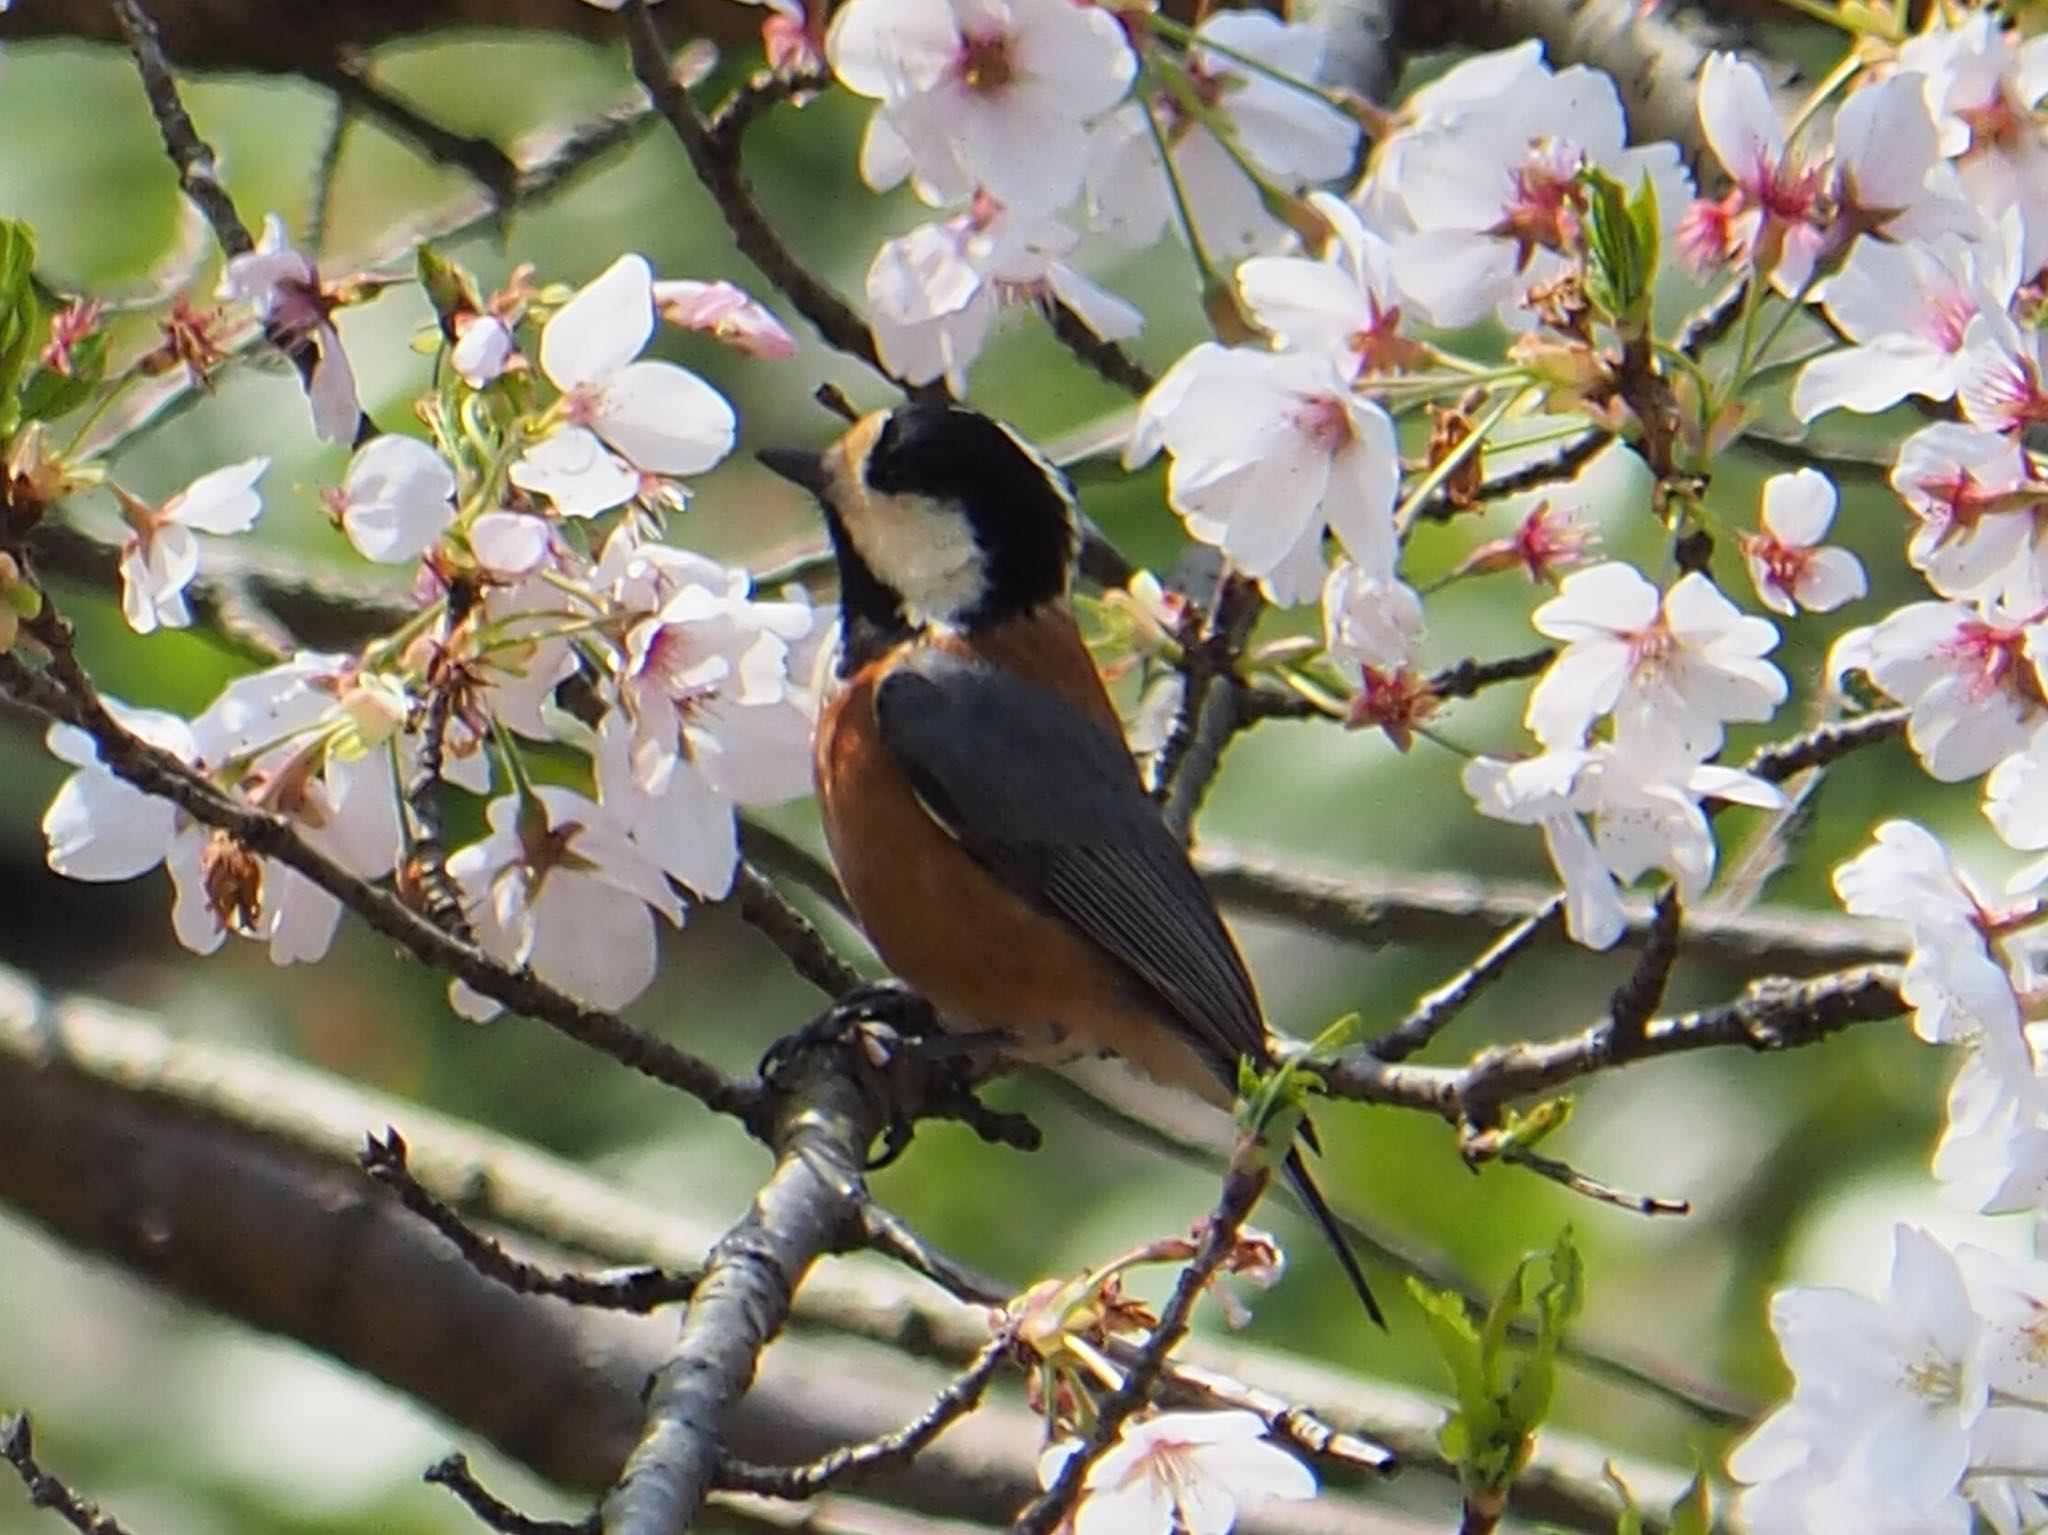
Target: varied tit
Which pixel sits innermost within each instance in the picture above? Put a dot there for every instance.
(987, 820)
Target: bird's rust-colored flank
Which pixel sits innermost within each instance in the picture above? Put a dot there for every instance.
(983, 955)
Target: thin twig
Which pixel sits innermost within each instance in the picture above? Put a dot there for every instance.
(198, 170)
(1567, 1176)
(1109, 361)
(755, 98)
(488, 165)
(851, 1462)
(1635, 1000)
(426, 865)
(717, 166)
(1242, 1186)
(1434, 1010)
(454, 1474)
(889, 1234)
(1470, 677)
(1553, 468)
(18, 1448)
(766, 910)
(640, 1289)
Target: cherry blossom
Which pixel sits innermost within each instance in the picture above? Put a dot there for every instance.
(159, 557)
(1549, 539)
(1643, 795)
(396, 500)
(558, 887)
(936, 292)
(1993, 1154)
(710, 718)
(1975, 494)
(2005, 388)
(1185, 1472)
(1369, 620)
(1968, 673)
(1790, 568)
(1775, 214)
(483, 350)
(1958, 989)
(101, 828)
(620, 418)
(1678, 664)
(1908, 308)
(1887, 1390)
(1983, 86)
(1493, 193)
(727, 312)
(1346, 305)
(995, 94)
(1290, 138)
(284, 288)
(1268, 449)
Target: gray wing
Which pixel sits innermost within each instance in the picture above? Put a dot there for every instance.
(1049, 802)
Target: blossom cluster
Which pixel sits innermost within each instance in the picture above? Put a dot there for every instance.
(529, 516)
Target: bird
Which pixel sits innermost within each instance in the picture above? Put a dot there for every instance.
(987, 821)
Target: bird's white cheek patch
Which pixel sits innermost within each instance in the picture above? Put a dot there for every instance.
(924, 550)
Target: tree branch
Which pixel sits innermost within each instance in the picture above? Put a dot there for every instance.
(18, 1449)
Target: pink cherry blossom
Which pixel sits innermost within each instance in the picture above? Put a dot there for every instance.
(296, 309)
(727, 312)
(159, 557)
(992, 94)
(1775, 215)
(1984, 86)
(620, 418)
(1788, 564)
(1678, 664)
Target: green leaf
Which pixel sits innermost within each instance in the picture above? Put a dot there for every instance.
(1526, 1130)
(21, 315)
(1504, 1389)
(1621, 249)
(49, 394)
(1693, 1513)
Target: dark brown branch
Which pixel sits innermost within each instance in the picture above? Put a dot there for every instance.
(494, 1512)
(426, 866)
(64, 693)
(1434, 1010)
(1773, 1014)
(198, 170)
(854, 1462)
(642, 1289)
(765, 909)
(1825, 744)
(754, 99)
(1109, 361)
(1637, 998)
(717, 166)
(18, 1448)
(484, 162)
(1470, 677)
(1553, 468)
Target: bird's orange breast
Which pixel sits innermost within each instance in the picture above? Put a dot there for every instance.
(986, 957)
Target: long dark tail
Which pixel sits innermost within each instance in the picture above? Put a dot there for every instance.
(1305, 1186)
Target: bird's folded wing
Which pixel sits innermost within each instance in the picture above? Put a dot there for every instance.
(1049, 802)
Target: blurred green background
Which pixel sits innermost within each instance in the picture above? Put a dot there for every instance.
(1796, 1165)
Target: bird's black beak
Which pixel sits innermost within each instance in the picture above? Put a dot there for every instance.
(797, 466)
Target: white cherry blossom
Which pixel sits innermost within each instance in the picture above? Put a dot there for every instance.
(159, 557)
(1493, 193)
(1908, 308)
(1774, 215)
(280, 283)
(1269, 449)
(1985, 87)
(1643, 796)
(726, 312)
(935, 293)
(1993, 1154)
(1968, 673)
(621, 418)
(557, 886)
(995, 94)
(1182, 1473)
(1345, 305)
(396, 500)
(1678, 664)
(1976, 495)
(1292, 138)
(1369, 621)
(1787, 562)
